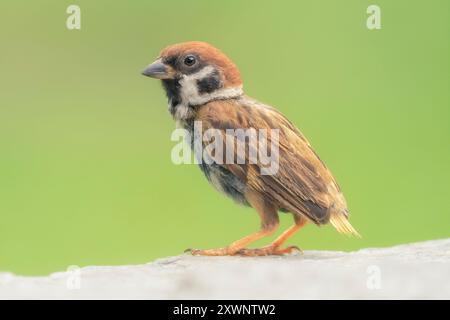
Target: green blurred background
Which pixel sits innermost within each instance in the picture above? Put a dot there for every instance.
(85, 170)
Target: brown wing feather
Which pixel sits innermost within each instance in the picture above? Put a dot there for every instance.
(303, 185)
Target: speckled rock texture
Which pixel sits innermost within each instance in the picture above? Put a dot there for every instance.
(411, 271)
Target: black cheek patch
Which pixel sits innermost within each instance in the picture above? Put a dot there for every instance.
(210, 83)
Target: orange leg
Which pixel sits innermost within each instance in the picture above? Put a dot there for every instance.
(269, 217)
(236, 246)
(274, 247)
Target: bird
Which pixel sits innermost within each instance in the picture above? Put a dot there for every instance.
(203, 85)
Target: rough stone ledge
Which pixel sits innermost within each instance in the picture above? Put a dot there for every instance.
(411, 271)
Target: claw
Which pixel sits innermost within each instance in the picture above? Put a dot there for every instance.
(292, 248)
(194, 252)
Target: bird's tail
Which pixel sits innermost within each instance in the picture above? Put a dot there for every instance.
(340, 221)
(339, 213)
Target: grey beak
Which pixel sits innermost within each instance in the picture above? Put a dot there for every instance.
(157, 70)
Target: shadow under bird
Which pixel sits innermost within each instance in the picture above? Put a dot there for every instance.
(203, 84)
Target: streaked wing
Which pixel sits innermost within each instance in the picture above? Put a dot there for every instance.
(302, 184)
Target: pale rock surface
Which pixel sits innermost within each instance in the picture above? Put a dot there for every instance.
(412, 271)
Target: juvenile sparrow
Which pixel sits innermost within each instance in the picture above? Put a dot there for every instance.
(203, 85)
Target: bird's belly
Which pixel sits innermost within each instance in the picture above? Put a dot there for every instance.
(225, 182)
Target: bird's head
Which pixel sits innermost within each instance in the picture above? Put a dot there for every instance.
(194, 73)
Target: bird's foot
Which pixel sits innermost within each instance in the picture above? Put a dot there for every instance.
(212, 252)
(270, 250)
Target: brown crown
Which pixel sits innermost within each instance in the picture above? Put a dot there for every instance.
(209, 54)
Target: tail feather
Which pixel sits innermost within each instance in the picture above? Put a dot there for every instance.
(342, 225)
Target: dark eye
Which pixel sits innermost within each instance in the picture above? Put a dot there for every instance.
(189, 60)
